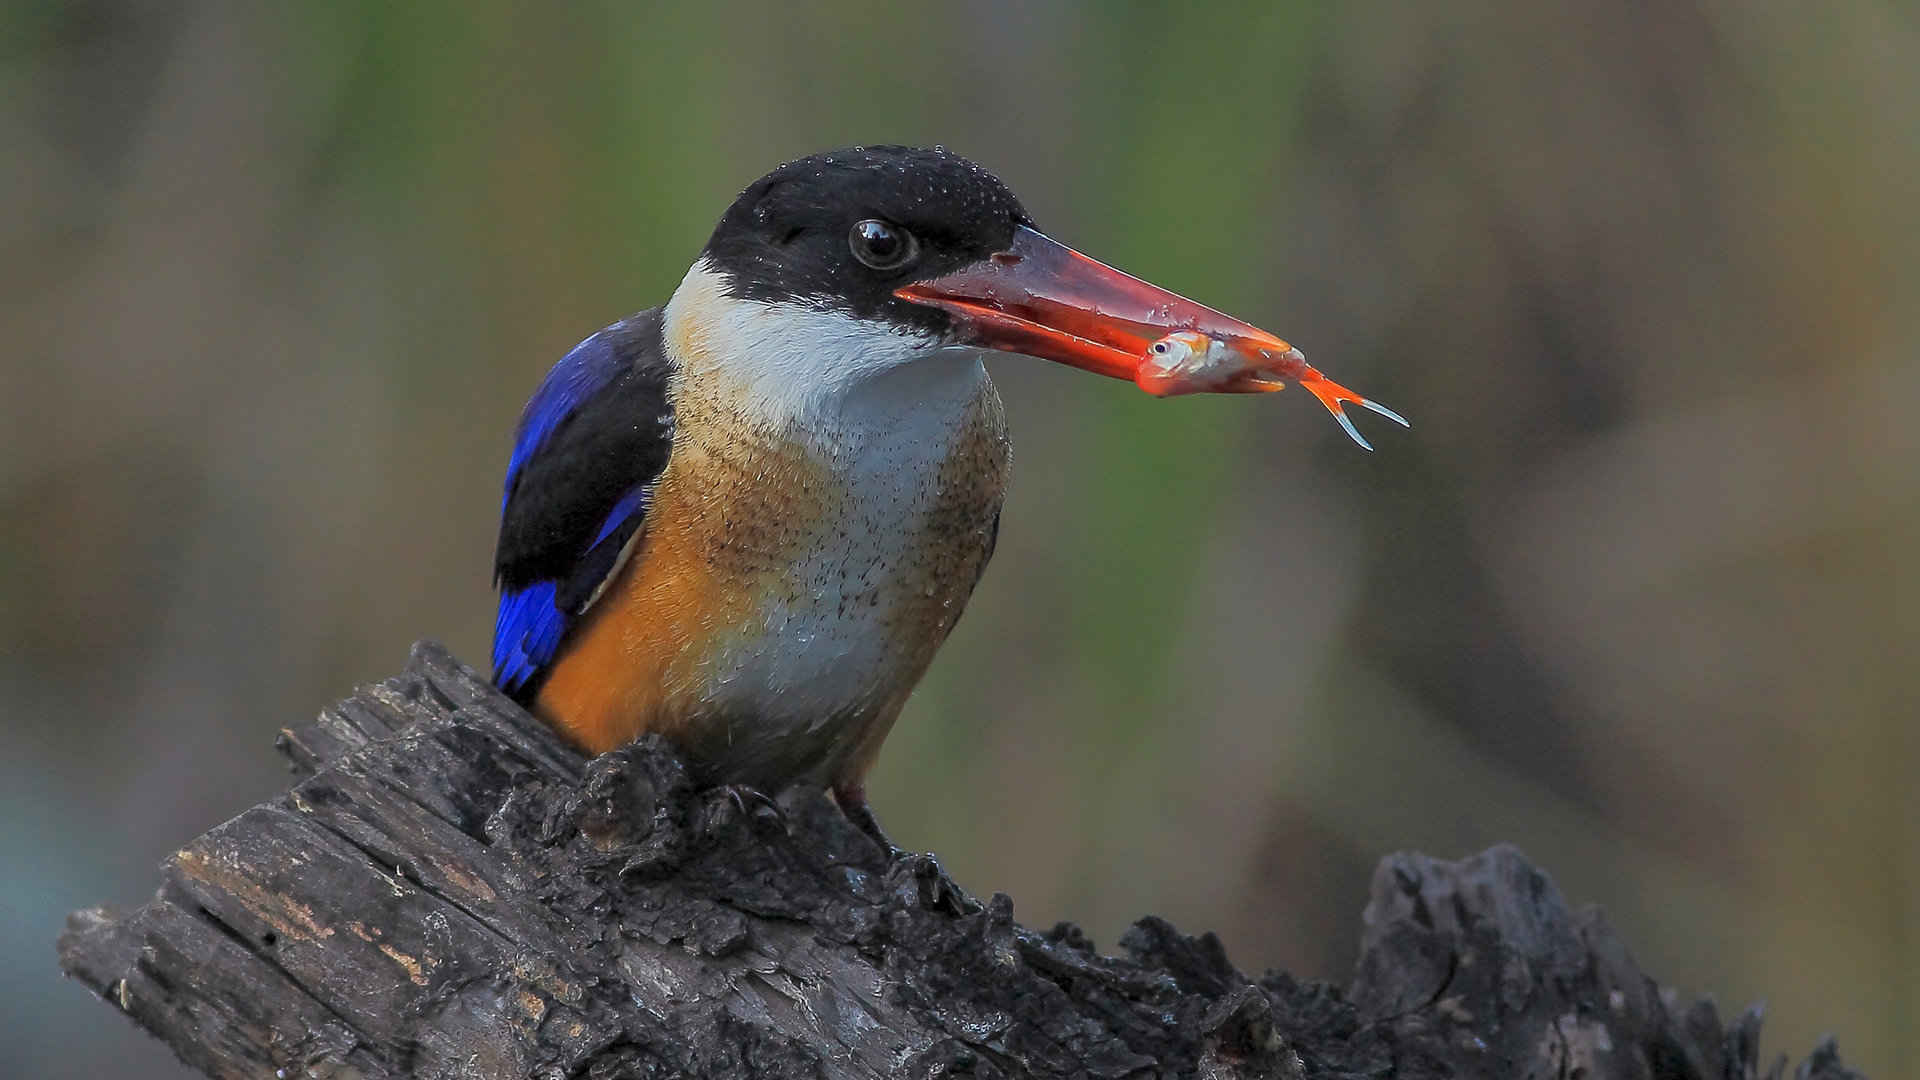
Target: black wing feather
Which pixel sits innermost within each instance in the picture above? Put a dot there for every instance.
(592, 442)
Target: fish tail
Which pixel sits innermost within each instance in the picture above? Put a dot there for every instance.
(1334, 396)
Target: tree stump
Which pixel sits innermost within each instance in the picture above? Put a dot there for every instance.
(450, 891)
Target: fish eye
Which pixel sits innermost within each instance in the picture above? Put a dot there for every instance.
(1160, 347)
(882, 245)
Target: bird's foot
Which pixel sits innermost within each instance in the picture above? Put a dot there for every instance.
(914, 878)
(853, 805)
(729, 803)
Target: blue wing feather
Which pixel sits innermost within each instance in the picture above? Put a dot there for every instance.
(585, 371)
(526, 634)
(591, 442)
(627, 511)
(532, 621)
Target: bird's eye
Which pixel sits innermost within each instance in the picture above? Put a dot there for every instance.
(881, 245)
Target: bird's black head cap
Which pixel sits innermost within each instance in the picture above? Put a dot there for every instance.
(804, 232)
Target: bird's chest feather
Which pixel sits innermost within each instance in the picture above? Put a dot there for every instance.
(853, 544)
(796, 575)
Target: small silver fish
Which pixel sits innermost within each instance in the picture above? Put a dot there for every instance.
(1190, 362)
(1193, 361)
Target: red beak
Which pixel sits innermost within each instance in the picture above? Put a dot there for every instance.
(1042, 298)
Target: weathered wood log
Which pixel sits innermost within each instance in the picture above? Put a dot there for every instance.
(452, 892)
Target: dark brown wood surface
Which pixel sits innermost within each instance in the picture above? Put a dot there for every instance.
(449, 891)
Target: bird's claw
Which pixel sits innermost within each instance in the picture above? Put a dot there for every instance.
(916, 879)
(734, 802)
(757, 804)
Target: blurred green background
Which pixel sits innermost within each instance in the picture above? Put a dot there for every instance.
(1636, 592)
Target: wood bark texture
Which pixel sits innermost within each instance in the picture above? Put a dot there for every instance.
(450, 891)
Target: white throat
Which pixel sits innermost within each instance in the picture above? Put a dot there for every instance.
(794, 364)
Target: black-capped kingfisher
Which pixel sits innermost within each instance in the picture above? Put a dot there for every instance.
(747, 519)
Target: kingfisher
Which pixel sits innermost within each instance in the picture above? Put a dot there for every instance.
(747, 519)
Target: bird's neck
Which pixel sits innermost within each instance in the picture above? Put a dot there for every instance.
(797, 371)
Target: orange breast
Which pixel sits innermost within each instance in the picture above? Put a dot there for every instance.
(728, 514)
(787, 593)
(635, 655)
